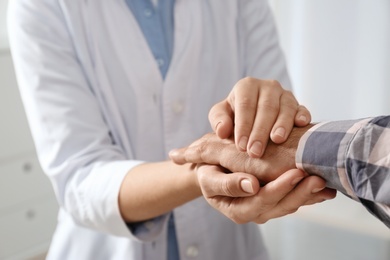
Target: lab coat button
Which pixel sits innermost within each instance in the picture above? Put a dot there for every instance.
(192, 251)
(149, 225)
(160, 62)
(148, 13)
(177, 107)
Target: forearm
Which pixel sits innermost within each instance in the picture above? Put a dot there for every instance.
(353, 157)
(153, 189)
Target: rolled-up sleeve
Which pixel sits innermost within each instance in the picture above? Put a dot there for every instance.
(353, 157)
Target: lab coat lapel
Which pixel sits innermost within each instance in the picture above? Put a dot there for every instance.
(131, 48)
(187, 43)
(130, 55)
(184, 71)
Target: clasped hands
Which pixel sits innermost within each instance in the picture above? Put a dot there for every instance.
(242, 173)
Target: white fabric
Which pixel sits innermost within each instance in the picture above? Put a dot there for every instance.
(97, 106)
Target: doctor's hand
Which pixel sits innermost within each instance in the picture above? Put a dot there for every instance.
(239, 196)
(256, 110)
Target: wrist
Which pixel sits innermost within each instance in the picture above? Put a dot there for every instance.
(296, 135)
(291, 145)
(191, 177)
(298, 142)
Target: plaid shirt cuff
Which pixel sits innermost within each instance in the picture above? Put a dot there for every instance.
(323, 149)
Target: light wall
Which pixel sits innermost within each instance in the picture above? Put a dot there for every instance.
(338, 58)
(3, 28)
(338, 55)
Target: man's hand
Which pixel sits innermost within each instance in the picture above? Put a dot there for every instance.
(277, 159)
(240, 197)
(256, 110)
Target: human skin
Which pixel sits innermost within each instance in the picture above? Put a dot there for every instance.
(166, 180)
(238, 195)
(255, 111)
(210, 149)
(151, 189)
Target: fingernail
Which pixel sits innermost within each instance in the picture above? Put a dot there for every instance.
(302, 118)
(217, 125)
(295, 181)
(172, 152)
(317, 190)
(280, 132)
(243, 143)
(257, 148)
(246, 185)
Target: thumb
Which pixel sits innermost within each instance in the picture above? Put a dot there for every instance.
(221, 118)
(214, 182)
(178, 155)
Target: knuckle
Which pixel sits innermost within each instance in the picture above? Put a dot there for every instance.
(201, 151)
(263, 205)
(268, 105)
(261, 220)
(303, 108)
(194, 153)
(226, 188)
(261, 133)
(237, 218)
(240, 221)
(247, 81)
(289, 93)
(275, 83)
(287, 211)
(244, 128)
(245, 103)
(215, 112)
(293, 105)
(252, 166)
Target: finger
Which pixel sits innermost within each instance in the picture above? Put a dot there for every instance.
(197, 153)
(267, 113)
(309, 189)
(285, 121)
(215, 183)
(221, 119)
(178, 155)
(276, 190)
(325, 194)
(303, 116)
(199, 150)
(243, 210)
(244, 101)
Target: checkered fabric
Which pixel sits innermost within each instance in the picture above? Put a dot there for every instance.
(353, 157)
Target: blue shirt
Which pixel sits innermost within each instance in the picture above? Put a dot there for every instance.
(156, 23)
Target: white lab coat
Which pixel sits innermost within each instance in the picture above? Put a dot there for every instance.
(98, 106)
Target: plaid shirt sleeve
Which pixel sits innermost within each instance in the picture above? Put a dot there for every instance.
(353, 157)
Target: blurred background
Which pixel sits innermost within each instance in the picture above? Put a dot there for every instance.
(338, 57)
(28, 209)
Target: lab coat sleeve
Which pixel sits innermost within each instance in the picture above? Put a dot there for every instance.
(353, 156)
(262, 54)
(72, 139)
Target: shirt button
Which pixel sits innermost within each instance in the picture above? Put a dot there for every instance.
(177, 107)
(148, 13)
(149, 225)
(192, 251)
(160, 62)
